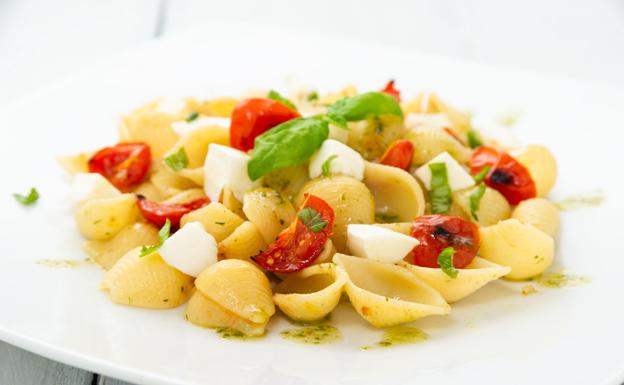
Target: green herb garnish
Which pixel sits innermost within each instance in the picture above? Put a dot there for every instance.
(445, 260)
(474, 140)
(363, 106)
(482, 174)
(274, 95)
(192, 116)
(326, 167)
(163, 235)
(29, 199)
(440, 189)
(312, 96)
(312, 219)
(475, 200)
(178, 160)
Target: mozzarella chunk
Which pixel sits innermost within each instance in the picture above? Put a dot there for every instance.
(378, 243)
(458, 178)
(88, 186)
(190, 249)
(347, 161)
(183, 127)
(227, 167)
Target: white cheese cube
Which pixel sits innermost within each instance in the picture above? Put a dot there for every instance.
(378, 243)
(345, 160)
(88, 186)
(458, 178)
(190, 249)
(183, 127)
(227, 167)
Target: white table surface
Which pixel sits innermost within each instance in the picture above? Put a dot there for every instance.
(43, 42)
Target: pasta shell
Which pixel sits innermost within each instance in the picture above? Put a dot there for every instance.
(395, 191)
(430, 103)
(333, 97)
(350, 199)
(101, 219)
(107, 253)
(540, 213)
(288, 181)
(372, 136)
(245, 242)
(148, 190)
(168, 182)
(524, 248)
(196, 143)
(203, 311)
(429, 142)
(196, 175)
(146, 282)
(269, 211)
(493, 206)
(216, 219)
(239, 287)
(229, 200)
(401, 227)
(541, 165)
(468, 280)
(187, 196)
(386, 294)
(311, 293)
(327, 254)
(74, 164)
(222, 106)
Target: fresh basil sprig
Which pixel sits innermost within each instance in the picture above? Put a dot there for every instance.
(475, 200)
(285, 145)
(178, 160)
(274, 95)
(363, 106)
(440, 189)
(474, 140)
(27, 200)
(445, 260)
(163, 235)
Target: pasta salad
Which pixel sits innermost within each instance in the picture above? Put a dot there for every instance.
(236, 207)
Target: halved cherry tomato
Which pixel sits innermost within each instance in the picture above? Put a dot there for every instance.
(399, 154)
(390, 90)
(297, 246)
(506, 175)
(158, 213)
(252, 117)
(437, 232)
(124, 165)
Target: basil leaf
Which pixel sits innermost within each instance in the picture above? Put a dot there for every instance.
(178, 160)
(312, 219)
(445, 260)
(163, 235)
(473, 139)
(482, 174)
(440, 189)
(274, 95)
(326, 166)
(312, 96)
(192, 116)
(27, 200)
(475, 200)
(288, 144)
(363, 106)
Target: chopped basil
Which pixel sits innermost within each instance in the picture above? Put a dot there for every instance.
(475, 200)
(192, 116)
(363, 106)
(274, 95)
(285, 145)
(445, 260)
(312, 96)
(178, 160)
(440, 189)
(312, 219)
(326, 167)
(163, 235)
(482, 174)
(27, 200)
(473, 139)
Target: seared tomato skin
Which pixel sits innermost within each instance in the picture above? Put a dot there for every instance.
(399, 154)
(252, 117)
(507, 175)
(297, 246)
(390, 90)
(125, 165)
(437, 232)
(158, 213)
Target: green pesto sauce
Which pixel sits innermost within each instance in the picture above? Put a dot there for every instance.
(581, 201)
(313, 334)
(294, 322)
(559, 280)
(399, 335)
(233, 334)
(63, 263)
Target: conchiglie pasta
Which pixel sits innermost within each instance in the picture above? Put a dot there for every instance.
(540, 213)
(229, 200)
(216, 219)
(372, 136)
(245, 242)
(101, 219)
(196, 175)
(469, 279)
(222, 107)
(541, 165)
(146, 282)
(386, 294)
(350, 199)
(430, 103)
(311, 293)
(327, 253)
(148, 190)
(396, 192)
(288, 181)
(107, 253)
(269, 211)
(430, 142)
(493, 207)
(399, 227)
(187, 196)
(196, 143)
(75, 164)
(526, 249)
(333, 97)
(168, 182)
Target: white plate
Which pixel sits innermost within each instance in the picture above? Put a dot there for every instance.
(563, 336)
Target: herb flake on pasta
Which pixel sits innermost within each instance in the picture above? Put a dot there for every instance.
(474, 140)
(326, 167)
(312, 219)
(178, 160)
(440, 189)
(445, 260)
(482, 174)
(163, 235)
(192, 116)
(475, 200)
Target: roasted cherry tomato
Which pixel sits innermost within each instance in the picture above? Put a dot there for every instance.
(390, 90)
(399, 154)
(301, 243)
(158, 213)
(437, 232)
(252, 117)
(124, 165)
(506, 175)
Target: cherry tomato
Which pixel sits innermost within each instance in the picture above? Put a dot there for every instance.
(506, 175)
(298, 245)
(252, 117)
(390, 90)
(158, 213)
(399, 154)
(124, 165)
(437, 232)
